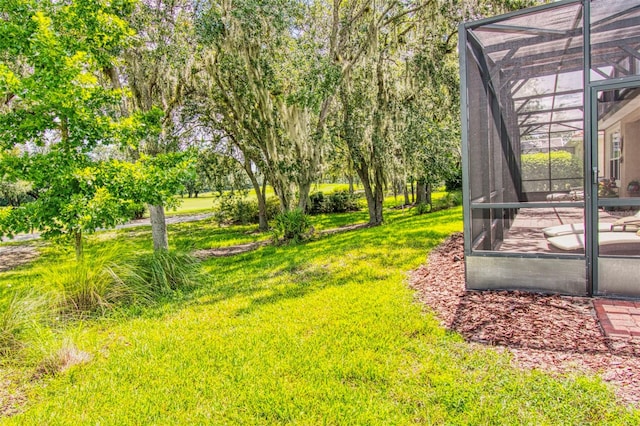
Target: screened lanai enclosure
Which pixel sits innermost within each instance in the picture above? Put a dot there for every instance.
(551, 148)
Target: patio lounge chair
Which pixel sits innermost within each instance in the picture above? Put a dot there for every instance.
(576, 194)
(624, 224)
(610, 243)
(573, 228)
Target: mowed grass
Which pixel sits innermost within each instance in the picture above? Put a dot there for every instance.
(204, 203)
(325, 332)
(207, 201)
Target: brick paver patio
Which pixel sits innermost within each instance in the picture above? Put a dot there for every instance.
(618, 318)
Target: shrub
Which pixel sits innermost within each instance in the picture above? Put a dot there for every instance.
(316, 203)
(450, 199)
(236, 210)
(273, 208)
(341, 202)
(233, 209)
(563, 169)
(423, 208)
(336, 202)
(453, 181)
(244, 212)
(137, 210)
(291, 226)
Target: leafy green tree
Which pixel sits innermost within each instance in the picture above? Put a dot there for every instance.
(268, 89)
(373, 38)
(56, 109)
(399, 90)
(429, 123)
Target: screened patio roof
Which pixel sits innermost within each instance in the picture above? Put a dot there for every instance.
(538, 58)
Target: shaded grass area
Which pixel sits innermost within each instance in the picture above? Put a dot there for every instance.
(319, 333)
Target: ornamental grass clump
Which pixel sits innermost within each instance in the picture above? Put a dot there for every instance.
(19, 313)
(165, 271)
(94, 286)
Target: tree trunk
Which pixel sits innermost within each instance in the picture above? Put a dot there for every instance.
(428, 194)
(406, 195)
(263, 217)
(374, 196)
(394, 186)
(303, 189)
(350, 179)
(158, 227)
(261, 195)
(263, 224)
(283, 195)
(79, 246)
(421, 192)
(413, 192)
(378, 193)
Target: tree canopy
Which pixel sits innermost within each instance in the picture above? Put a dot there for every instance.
(284, 90)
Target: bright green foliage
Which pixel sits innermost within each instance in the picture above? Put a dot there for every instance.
(55, 110)
(78, 195)
(49, 74)
(560, 169)
(162, 176)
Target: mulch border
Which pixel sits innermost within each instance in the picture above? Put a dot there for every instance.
(559, 334)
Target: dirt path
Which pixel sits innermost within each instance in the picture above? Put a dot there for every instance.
(16, 255)
(247, 247)
(554, 333)
(229, 251)
(13, 256)
(131, 224)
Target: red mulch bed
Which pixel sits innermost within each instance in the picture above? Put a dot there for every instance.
(548, 332)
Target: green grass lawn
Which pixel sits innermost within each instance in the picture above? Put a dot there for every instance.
(325, 332)
(206, 201)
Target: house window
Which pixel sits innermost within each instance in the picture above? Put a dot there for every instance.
(614, 162)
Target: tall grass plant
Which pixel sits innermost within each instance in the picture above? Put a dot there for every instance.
(95, 285)
(163, 272)
(20, 313)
